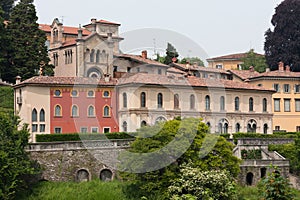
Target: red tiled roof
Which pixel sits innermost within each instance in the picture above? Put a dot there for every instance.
(244, 74)
(190, 81)
(140, 59)
(199, 68)
(107, 22)
(67, 29)
(236, 56)
(52, 81)
(175, 70)
(247, 74)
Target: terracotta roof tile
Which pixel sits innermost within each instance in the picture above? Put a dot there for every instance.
(198, 68)
(247, 74)
(140, 59)
(67, 29)
(236, 56)
(107, 22)
(244, 74)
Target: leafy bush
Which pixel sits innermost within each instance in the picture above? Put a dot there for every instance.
(81, 136)
(7, 97)
(251, 154)
(196, 184)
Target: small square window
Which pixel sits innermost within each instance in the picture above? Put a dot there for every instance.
(297, 88)
(74, 93)
(83, 130)
(106, 93)
(57, 93)
(34, 128)
(286, 88)
(94, 129)
(91, 93)
(106, 129)
(57, 130)
(42, 128)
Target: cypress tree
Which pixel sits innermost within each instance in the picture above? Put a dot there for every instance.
(7, 6)
(27, 42)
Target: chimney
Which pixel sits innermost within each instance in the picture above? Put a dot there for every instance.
(144, 54)
(281, 66)
(287, 68)
(79, 32)
(251, 69)
(93, 21)
(18, 79)
(267, 69)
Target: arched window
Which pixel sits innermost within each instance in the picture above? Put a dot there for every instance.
(91, 111)
(57, 111)
(250, 104)
(237, 104)
(176, 101)
(237, 127)
(192, 101)
(124, 126)
(143, 99)
(209, 126)
(98, 56)
(251, 127)
(143, 123)
(160, 119)
(207, 102)
(265, 106)
(106, 111)
(42, 115)
(92, 55)
(74, 111)
(265, 128)
(222, 103)
(223, 126)
(34, 115)
(124, 100)
(159, 100)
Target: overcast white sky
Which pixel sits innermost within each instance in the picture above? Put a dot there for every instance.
(218, 27)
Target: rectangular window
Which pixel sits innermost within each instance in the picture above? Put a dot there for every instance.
(34, 128)
(42, 128)
(297, 88)
(277, 105)
(219, 66)
(297, 128)
(106, 129)
(83, 129)
(277, 128)
(286, 88)
(94, 129)
(297, 105)
(57, 130)
(276, 87)
(287, 105)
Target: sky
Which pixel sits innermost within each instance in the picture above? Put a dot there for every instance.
(203, 28)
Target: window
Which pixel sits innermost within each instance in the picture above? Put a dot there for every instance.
(297, 105)
(237, 104)
(124, 100)
(57, 111)
(219, 66)
(74, 111)
(276, 87)
(106, 129)
(42, 128)
(207, 103)
(286, 88)
(250, 104)
(297, 88)
(98, 56)
(42, 115)
(266, 128)
(128, 69)
(237, 128)
(223, 126)
(34, 128)
(265, 105)
(192, 101)
(83, 129)
(222, 103)
(124, 126)
(159, 100)
(297, 128)
(138, 69)
(94, 129)
(68, 56)
(159, 71)
(57, 93)
(57, 130)
(277, 105)
(143, 123)
(205, 75)
(91, 111)
(106, 94)
(74, 93)
(91, 93)
(55, 59)
(277, 128)
(176, 101)
(106, 111)
(287, 105)
(34, 115)
(251, 127)
(92, 55)
(143, 99)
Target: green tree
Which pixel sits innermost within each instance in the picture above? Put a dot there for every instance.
(283, 43)
(170, 145)
(29, 52)
(15, 163)
(255, 60)
(192, 60)
(4, 43)
(170, 54)
(7, 6)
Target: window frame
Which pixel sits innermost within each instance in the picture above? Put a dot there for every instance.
(143, 100)
(236, 104)
(287, 104)
(278, 101)
(60, 111)
(160, 100)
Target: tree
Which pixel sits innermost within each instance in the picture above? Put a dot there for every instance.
(192, 60)
(283, 43)
(161, 150)
(170, 54)
(15, 163)
(29, 52)
(7, 6)
(4, 43)
(255, 60)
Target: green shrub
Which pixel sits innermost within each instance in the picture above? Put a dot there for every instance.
(251, 154)
(81, 136)
(7, 97)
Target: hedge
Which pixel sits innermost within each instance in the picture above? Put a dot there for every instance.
(81, 136)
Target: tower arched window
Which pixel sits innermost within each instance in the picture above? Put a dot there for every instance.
(237, 127)
(124, 100)
(143, 99)
(98, 56)
(92, 54)
(106, 111)
(57, 111)
(222, 103)
(251, 126)
(250, 104)
(265, 105)
(159, 100)
(207, 102)
(42, 115)
(91, 111)
(192, 101)
(34, 115)
(176, 101)
(237, 104)
(124, 126)
(74, 111)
